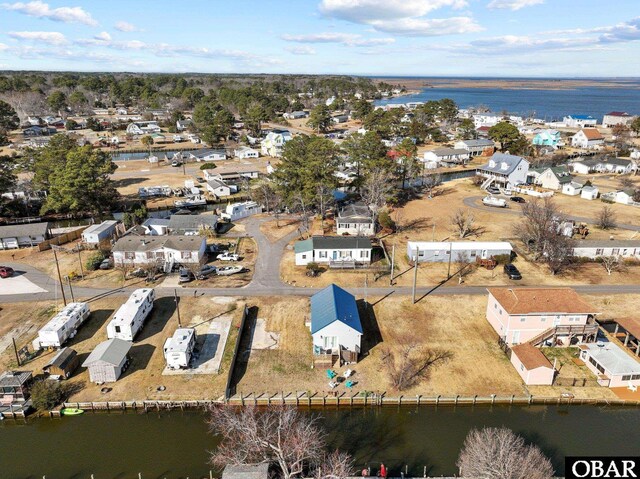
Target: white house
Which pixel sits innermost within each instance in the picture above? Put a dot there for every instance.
(589, 192)
(244, 152)
(571, 188)
(296, 115)
(620, 166)
(143, 128)
(236, 211)
(486, 119)
(160, 250)
(219, 188)
(233, 173)
(449, 156)
(505, 169)
(356, 220)
(335, 324)
(553, 178)
(333, 250)
(96, 233)
(178, 349)
(598, 248)
(587, 138)
(579, 121)
(614, 118)
(23, 235)
(438, 252)
(208, 154)
(273, 143)
(477, 147)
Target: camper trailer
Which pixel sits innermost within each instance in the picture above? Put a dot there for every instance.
(179, 347)
(62, 326)
(131, 316)
(236, 211)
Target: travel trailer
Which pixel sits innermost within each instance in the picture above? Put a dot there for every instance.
(131, 316)
(62, 326)
(179, 348)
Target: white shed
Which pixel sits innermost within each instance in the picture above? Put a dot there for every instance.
(589, 193)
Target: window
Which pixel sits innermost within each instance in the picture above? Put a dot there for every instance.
(543, 319)
(364, 254)
(521, 367)
(615, 251)
(626, 377)
(186, 254)
(599, 251)
(495, 305)
(130, 255)
(322, 254)
(304, 256)
(118, 329)
(523, 319)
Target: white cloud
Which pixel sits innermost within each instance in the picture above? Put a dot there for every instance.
(126, 27)
(347, 39)
(402, 17)
(103, 36)
(365, 11)
(52, 38)
(61, 14)
(513, 4)
(3, 47)
(301, 50)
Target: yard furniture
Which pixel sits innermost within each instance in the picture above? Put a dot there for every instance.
(348, 373)
(331, 374)
(333, 385)
(349, 384)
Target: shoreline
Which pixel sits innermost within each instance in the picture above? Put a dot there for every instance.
(509, 84)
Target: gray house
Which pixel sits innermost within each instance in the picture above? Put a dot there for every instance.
(108, 361)
(23, 235)
(191, 224)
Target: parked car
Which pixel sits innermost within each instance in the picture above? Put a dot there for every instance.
(493, 190)
(106, 264)
(176, 163)
(518, 199)
(228, 257)
(512, 272)
(139, 273)
(206, 271)
(6, 272)
(185, 276)
(177, 138)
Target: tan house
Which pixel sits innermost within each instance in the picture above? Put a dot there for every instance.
(532, 366)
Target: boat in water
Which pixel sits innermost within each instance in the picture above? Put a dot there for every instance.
(190, 201)
(71, 411)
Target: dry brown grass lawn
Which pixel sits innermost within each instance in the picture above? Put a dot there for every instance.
(276, 230)
(144, 375)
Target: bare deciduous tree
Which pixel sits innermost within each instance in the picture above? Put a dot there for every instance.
(498, 453)
(540, 231)
(606, 218)
(612, 263)
(462, 222)
(377, 187)
(464, 263)
(430, 182)
(281, 436)
(336, 465)
(410, 362)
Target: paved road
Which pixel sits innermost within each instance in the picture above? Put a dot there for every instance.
(516, 210)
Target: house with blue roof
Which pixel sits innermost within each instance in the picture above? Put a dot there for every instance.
(335, 324)
(579, 121)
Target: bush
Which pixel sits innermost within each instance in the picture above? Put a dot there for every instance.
(315, 267)
(502, 258)
(207, 166)
(385, 221)
(93, 263)
(47, 394)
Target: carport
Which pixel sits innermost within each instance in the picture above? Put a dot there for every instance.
(628, 332)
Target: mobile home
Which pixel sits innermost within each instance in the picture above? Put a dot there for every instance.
(131, 316)
(179, 348)
(94, 234)
(236, 211)
(437, 252)
(62, 326)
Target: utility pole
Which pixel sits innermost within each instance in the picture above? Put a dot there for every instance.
(15, 350)
(80, 260)
(175, 297)
(73, 299)
(366, 277)
(415, 275)
(449, 268)
(433, 234)
(55, 256)
(393, 264)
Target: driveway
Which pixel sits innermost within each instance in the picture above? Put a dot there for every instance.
(19, 284)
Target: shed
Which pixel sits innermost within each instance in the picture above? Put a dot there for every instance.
(94, 234)
(108, 360)
(335, 321)
(533, 366)
(259, 471)
(63, 364)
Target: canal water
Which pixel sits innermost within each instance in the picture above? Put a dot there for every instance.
(175, 444)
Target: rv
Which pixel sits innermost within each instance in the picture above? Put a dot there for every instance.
(493, 201)
(130, 317)
(236, 211)
(179, 347)
(62, 326)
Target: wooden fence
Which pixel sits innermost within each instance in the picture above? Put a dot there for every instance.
(576, 382)
(342, 399)
(234, 358)
(62, 239)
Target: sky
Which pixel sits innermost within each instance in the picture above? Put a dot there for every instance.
(495, 38)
